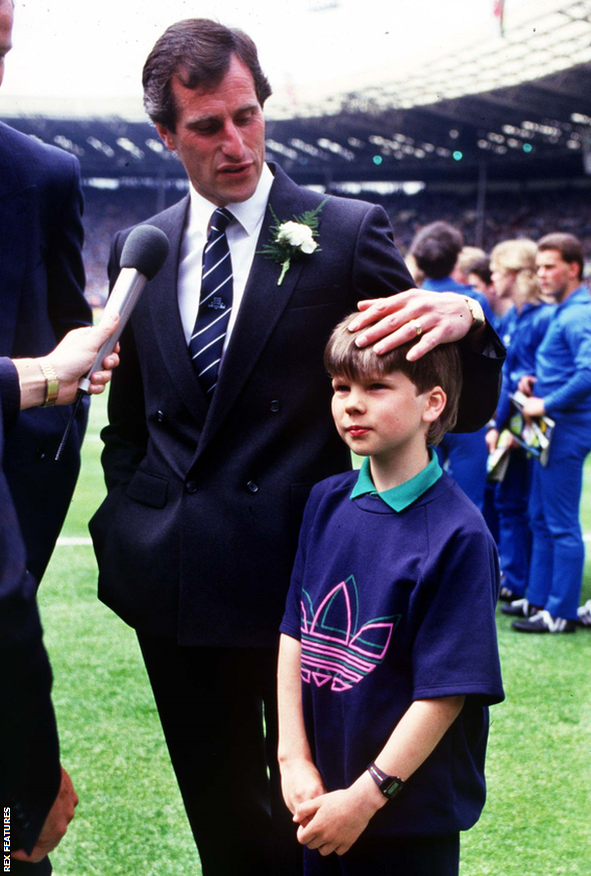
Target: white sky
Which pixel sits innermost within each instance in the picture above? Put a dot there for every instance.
(96, 48)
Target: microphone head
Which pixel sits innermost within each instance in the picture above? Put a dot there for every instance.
(145, 250)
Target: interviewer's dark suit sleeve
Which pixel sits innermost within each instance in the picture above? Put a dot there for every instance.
(29, 752)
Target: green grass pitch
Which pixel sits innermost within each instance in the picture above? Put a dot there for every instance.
(130, 819)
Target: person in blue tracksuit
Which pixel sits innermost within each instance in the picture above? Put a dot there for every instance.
(478, 275)
(435, 249)
(513, 264)
(480, 278)
(561, 388)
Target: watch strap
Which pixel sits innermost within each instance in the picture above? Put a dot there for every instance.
(478, 318)
(52, 384)
(390, 786)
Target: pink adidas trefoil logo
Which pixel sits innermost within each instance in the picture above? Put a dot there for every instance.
(335, 650)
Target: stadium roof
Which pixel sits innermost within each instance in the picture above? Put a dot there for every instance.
(517, 105)
(518, 102)
(556, 37)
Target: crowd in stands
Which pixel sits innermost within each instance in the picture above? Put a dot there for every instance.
(509, 214)
(107, 211)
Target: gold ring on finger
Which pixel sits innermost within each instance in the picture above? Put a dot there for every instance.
(417, 326)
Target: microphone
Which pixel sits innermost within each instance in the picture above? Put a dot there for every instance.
(144, 253)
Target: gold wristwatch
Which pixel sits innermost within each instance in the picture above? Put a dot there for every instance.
(52, 384)
(478, 318)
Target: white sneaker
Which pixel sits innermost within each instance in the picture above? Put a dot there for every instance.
(543, 622)
(584, 614)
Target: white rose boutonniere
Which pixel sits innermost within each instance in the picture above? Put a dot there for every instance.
(292, 238)
(297, 235)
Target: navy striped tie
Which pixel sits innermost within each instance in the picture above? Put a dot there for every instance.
(215, 303)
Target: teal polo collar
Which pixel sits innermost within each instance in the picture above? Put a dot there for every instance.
(399, 498)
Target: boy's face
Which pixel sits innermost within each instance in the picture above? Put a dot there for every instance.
(382, 416)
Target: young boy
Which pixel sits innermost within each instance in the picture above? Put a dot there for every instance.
(388, 657)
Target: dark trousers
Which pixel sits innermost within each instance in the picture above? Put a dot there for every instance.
(419, 856)
(214, 705)
(43, 868)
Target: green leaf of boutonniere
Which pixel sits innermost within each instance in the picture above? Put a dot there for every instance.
(292, 238)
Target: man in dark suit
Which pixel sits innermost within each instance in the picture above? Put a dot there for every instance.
(207, 479)
(37, 799)
(41, 290)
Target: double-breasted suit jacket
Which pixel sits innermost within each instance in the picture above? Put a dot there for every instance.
(196, 538)
(41, 299)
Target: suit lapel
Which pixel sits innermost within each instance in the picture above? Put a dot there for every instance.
(166, 318)
(262, 306)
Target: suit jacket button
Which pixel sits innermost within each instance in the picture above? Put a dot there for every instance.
(252, 487)
(160, 416)
(191, 487)
(275, 406)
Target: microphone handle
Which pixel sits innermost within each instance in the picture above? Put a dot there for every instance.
(69, 424)
(126, 291)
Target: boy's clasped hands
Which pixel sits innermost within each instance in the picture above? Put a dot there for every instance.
(330, 822)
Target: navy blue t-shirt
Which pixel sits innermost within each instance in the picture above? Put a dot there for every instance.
(391, 608)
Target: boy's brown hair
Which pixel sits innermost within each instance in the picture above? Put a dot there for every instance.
(439, 367)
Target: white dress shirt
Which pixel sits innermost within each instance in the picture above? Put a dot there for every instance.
(242, 235)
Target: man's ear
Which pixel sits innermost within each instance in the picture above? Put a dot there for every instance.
(436, 400)
(574, 271)
(167, 137)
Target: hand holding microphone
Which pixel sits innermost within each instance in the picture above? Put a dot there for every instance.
(65, 364)
(144, 253)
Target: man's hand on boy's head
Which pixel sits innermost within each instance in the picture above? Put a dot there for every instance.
(435, 317)
(334, 821)
(300, 781)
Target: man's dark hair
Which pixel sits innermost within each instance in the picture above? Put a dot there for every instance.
(198, 51)
(567, 245)
(481, 267)
(441, 366)
(436, 247)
